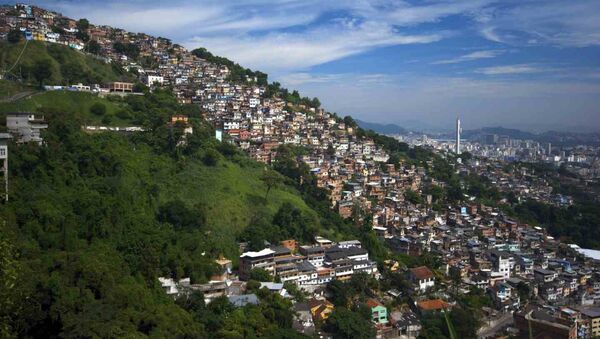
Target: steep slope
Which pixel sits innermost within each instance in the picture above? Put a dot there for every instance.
(67, 65)
(77, 103)
(97, 217)
(231, 191)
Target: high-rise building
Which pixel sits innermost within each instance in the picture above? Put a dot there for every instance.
(457, 136)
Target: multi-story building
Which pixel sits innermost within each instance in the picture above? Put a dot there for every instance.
(422, 278)
(26, 127)
(4, 137)
(315, 266)
(124, 87)
(591, 317)
(539, 323)
(263, 259)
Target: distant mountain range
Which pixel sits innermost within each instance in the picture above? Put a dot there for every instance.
(381, 128)
(509, 132)
(554, 137)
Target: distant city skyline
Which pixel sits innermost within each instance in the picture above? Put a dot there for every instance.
(532, 65)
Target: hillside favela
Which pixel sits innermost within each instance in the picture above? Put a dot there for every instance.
(300, 169)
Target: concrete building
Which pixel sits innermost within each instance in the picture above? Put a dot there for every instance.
(538, 323)
(262, 259)
(174, 288)
(378, 312)
(4, 137)
(591, 316)
(26, 127)
(151, 79)
(422, 278)
(120, 87)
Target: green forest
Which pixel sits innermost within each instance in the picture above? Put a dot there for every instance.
(94, 218)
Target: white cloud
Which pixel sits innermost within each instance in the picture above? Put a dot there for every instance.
(471, 57)
(481, 102)
(157, 19)
(302, 78)
(555, 22)
(510, 69)
(281, 34)
(294, 79)
(490, 34)
(406, 14)
(184, 18)
(292, 51)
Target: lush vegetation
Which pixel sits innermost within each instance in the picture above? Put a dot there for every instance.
(577, 223)
(460, 321)
(94, 218)
(352, 317)
(10, 88)
(237, 72)
(85, 107)
(272, 318)
(63, 65)
(274, 89)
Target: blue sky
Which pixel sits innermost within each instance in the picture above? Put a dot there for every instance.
(523, 63)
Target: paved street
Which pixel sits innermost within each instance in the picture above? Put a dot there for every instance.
(495, 326)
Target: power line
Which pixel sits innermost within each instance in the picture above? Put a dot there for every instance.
(18, 58)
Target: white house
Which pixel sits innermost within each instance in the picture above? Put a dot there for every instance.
(422, 277)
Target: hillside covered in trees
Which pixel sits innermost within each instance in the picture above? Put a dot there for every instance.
(95, 218)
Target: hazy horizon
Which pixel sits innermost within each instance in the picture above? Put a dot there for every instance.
(427, 126)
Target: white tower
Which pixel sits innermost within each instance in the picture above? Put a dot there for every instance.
(458, 130)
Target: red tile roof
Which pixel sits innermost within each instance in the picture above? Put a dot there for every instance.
(433, 305)
(373, 303)
(421, 273)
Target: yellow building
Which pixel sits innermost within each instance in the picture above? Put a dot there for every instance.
(38, 36)
(592, 317)
(320, 309)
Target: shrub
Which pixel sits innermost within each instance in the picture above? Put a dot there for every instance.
(14, 36)
(124, 114)
(98, 109)
(211, 157)
(107, 119)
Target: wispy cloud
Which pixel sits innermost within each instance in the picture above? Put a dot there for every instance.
(554, 22)
(294, 79)
(293, 51)
(280, 34)
(471, 57)
(303, 78)
(489, 33)
(511, 69)
(406, 14)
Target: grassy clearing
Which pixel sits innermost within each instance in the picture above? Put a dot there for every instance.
(68, 66)
(78, 103)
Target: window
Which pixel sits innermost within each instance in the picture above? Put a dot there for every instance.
(2, 152)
